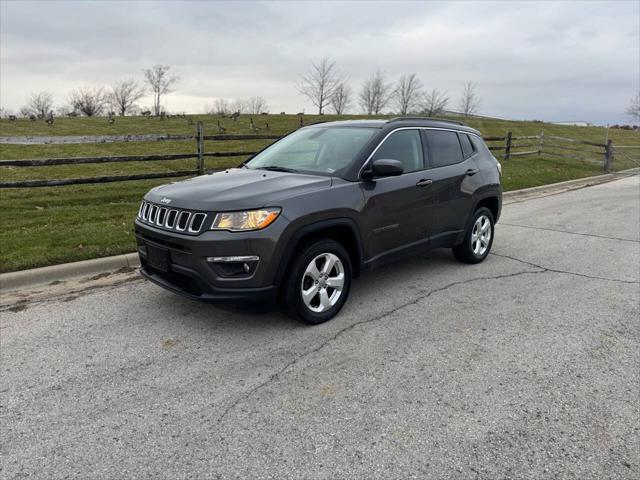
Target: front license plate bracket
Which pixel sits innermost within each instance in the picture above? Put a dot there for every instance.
(158, 258)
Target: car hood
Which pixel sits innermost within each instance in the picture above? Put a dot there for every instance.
(236, 189)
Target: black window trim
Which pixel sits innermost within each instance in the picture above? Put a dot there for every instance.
(427, 151)
(473, 147)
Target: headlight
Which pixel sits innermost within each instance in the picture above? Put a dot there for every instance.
(244, 221)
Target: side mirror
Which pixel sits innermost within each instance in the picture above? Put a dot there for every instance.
(383, 167)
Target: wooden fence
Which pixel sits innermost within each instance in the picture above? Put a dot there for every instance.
(199, 155)
(505, 148)
(562, 147)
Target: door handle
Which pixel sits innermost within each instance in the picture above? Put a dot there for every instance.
(471, 171)
(424, 182)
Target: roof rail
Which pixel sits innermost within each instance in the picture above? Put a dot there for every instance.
(434, 119)
(316, 122)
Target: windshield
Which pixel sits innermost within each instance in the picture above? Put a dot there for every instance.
(318, 149)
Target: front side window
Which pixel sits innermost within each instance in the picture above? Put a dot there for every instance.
(319, 150)
(444, 147)
(404, 146)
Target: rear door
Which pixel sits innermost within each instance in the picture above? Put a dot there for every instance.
(396, 212)
(454, 174)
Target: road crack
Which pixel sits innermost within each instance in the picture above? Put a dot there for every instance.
(539, 269)
(423, 296)
(567, 272)
(570, 233)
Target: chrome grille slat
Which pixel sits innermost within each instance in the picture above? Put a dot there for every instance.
(180, 222)
(199, 217)
(162, 212)
(152, 213)
(173, 219)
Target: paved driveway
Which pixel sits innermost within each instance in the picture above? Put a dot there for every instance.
(525, 366)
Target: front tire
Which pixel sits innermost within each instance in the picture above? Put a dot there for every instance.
(478, 238)
(319, 281)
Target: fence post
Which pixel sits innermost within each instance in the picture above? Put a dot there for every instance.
(608, 156)
(200, 148)
(507, 149)
(541, 144)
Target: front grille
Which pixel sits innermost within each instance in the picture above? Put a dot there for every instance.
(174, 219)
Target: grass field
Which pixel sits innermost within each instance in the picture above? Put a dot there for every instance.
(43, 226)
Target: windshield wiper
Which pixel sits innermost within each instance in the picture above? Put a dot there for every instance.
(275, 168)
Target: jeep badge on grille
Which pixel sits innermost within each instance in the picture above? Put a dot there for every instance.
(165, 200)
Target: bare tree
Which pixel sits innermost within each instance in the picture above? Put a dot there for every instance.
(320, 83)
(89, 101)
(124, 95)
(220, 107)
(434, 103)
(341, 99)
(39, 104)
(470, 101)
(633, 110)
(239, 105)
(63, 110)
(375, 94)
(407, 93)
(257, 105)
(160, 83)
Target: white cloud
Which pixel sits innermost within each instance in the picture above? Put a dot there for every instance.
(544, 60)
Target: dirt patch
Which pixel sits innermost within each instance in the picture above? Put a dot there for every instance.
(66, 291)
(19, 307)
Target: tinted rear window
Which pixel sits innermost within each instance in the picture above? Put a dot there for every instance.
(467, 148)
(478, 144)
(445, 148)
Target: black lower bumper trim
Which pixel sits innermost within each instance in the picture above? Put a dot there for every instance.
(196, 291)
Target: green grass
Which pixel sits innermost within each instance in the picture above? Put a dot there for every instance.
(44, 226)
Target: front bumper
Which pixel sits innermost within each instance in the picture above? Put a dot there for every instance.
(189, 284)
(189, 270)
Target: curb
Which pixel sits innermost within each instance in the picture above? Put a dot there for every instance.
(569, 184)
(65, 271)
(44, 275)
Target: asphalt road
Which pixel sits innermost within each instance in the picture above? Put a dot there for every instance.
(525, 366)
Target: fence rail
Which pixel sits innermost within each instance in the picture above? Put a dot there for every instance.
(199, 155)
(87, 180)
(552, 144)
(508, 144)
(43, 162)
(82, 139)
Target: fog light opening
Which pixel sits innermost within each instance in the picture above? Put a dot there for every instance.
(234, 266)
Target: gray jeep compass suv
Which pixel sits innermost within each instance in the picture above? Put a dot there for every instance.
(307, 214)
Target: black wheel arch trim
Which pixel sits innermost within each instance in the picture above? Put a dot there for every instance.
(484, 195)
(316, 227)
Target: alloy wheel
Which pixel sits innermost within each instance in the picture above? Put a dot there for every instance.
(481, 235)
(322, 282)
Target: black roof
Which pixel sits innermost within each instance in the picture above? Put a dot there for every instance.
(402, 122)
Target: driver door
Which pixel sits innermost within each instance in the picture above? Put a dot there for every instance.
(396, 214)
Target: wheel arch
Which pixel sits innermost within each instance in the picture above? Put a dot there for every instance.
(492, 202)
(342, 230)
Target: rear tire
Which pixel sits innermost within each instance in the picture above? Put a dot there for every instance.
(478, 238)
(318, 281)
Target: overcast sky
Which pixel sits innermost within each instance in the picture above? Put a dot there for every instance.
(534, 60)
